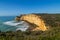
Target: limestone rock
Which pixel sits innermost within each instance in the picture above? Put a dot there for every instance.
(34, 20)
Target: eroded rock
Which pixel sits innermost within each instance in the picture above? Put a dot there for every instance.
(34, 20)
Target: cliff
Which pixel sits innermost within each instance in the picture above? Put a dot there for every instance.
(35, 22)
(41, 21)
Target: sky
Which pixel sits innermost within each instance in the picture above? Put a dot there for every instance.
(17, 7)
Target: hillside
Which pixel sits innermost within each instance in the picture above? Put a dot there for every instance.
(52, 20)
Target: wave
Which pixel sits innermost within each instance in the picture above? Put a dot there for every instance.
(13, 23)
(23, 26)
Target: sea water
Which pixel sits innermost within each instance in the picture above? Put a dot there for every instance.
(8, 23)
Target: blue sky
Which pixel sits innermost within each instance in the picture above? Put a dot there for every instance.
(17, 7)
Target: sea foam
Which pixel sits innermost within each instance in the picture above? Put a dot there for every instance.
(23, 26)
(13, 23)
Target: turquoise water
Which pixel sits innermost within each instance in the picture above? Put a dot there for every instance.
(4, 27)
(8, 23)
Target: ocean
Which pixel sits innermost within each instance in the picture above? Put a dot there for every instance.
(8, 23)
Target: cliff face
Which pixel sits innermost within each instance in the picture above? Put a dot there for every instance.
(33, 19)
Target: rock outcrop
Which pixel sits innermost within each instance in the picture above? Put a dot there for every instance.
(33, 19)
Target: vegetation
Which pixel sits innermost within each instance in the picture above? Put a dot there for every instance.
(51, 20)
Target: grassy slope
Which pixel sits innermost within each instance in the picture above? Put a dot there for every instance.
(52, 20)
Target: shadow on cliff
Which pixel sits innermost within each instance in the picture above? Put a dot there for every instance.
(31, 25)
